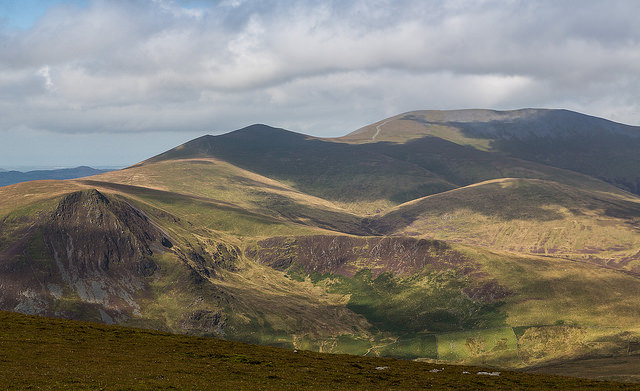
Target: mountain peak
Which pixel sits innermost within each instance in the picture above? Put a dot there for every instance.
(257, 132)
(467, 125)
(256, 136)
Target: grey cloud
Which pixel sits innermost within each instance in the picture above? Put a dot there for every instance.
(324, 67)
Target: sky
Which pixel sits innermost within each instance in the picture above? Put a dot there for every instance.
(110, 83)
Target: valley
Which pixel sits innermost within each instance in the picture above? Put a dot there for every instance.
(430, 236)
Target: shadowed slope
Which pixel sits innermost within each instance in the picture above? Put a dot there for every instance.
(354, 178)
(558, 138)
(365, 178)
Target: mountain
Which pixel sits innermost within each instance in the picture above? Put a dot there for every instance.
(558, 138)
(11, 177)
(421, 236)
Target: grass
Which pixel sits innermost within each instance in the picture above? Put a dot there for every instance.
(611, 368)
(557, 138)
(409, 126)
(474, 344)
(526, 216)
(45, 353)
(411, 346)
(430, 301)
(539, 300)
(381, 313)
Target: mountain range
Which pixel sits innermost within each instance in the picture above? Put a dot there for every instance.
(9, 177)
(504, 238)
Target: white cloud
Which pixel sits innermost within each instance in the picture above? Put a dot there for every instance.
(322, 67)
(44, 72)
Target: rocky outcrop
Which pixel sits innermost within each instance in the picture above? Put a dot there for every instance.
(90, 258)
(96, 235)
(345, 255)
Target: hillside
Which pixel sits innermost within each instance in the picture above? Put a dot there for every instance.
(558, 138)
(364, 178)
(528, 216)
(355, 179)
(59, 354)
(410, 238)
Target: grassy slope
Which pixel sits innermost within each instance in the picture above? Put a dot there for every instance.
(29, 198)
(218, 180)
(366, 178)
(612, 368)
(249, 296)
(529, 216)
(357, 179)
(558, 138)
(58, 354)
(516, 311)
(544, 287)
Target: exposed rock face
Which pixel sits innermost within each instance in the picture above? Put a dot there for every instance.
(91, 258)
(97, 235)
(346, 255)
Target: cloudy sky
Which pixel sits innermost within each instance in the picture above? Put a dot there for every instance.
(110, 83)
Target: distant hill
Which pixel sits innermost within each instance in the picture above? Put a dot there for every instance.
(560, 138)
(367, 177)
(11, 177)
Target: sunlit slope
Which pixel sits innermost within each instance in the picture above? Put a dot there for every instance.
(21, 195)
(529, 216)
(206, 267)
(558, 138)
(25, 202)
(207, 179)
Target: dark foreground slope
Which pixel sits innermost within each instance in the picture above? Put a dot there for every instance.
(46, 353)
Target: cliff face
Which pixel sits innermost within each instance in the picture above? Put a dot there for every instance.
(96, 235)
(91, 255)
(345, 255)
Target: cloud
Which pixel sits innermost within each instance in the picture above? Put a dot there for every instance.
(44, 72)
(321, 67)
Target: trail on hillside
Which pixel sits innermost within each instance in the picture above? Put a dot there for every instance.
(378, 129)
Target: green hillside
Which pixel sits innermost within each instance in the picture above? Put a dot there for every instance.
(528, 216)
(358, 180)
(410, 238)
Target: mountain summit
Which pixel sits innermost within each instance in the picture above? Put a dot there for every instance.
(557, 138)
